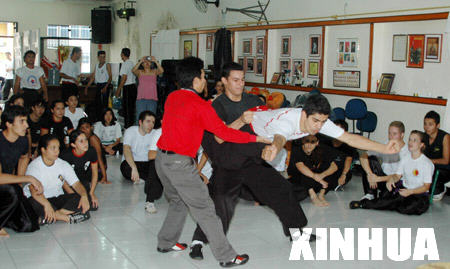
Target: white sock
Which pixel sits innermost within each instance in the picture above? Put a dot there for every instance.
(197, 242)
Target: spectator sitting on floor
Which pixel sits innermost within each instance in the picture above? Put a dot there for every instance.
(109, 131)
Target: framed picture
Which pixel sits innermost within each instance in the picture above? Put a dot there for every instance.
(260, 45)
(187, 45)
(399, 48)
(259, 69)
(285, 64)
(313, 68)
(315, 43)
(275, 78)
(347, 79)
(286, 46)
(247, 46)
(209, 42)
(298, 67)
(250, 61)
(416, 47)
(433, 48)
(347, 52)
(385, 83)
(241, 61)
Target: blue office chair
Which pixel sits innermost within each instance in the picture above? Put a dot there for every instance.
(338, 113)
(355, 109)
(368, 124)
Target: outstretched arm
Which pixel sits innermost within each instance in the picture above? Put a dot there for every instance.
(361, 142)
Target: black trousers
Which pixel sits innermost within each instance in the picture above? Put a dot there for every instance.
(415, 204)
(68, 89)
(375, 166)
(9, 84)
(101, 100)
(267, 185)
(308, 183)
(15, 210)
(153, 187)
(65, 201)
(129, 104)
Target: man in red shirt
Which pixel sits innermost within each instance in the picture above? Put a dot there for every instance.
(186, 117)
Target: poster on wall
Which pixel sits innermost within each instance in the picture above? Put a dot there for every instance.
(250, 65)
(286, 46)
(399, 48)
(416, 46)
(347, 52)
(285, 64)
(247, 46)
(209, 42)
(347, 79)
(313, 68)
(187, 48)
(298, 66)
(260, 45)
(433, 48)
(259, 70)
(315, 44)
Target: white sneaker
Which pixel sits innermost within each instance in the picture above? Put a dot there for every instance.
(150, 207)
(368, 196)
(439, 196)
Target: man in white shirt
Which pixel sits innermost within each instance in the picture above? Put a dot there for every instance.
(9, 76)
(70, 73)
(139, 147)
(30, 80)
(102, 77)
(128, 84)
(376, 165)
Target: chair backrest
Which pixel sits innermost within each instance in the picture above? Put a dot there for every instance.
(355, 109)
(368, 123)
(338, 113)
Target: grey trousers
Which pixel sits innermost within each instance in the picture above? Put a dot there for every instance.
(185, 190)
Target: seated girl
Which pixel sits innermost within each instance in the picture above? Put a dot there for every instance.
(85, 126)
(53, 205)
(313, 168)
(410, 194)
(109, 132)
(83, 159)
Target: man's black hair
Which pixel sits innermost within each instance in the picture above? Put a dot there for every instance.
(74, 135)
(38, 102)
(317, 103)
(342, 123)
(433, 115)
(75, 50)
(100, 52)
(70, 95)
(11, 113)
(231, 66)
(45, 140)
(52, 106)
(145, 114)
(126, 52)
(188, 69)
(29, 52)
(83, 121)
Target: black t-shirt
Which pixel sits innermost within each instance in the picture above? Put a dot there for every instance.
(60, 129)
(10, 153)
(319, 160)
(229, 111)
(35, 129)
(342, 152)
(81, 164)
(435, 150)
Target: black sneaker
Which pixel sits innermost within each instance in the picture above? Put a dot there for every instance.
(176, 247)
(355, 204)
(79, 217)
(196, 252)
(238, 260)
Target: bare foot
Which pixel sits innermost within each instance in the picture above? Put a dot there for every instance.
(317, 202)
(4, 234)
(324, 202)
(256, 204)
(105, 182)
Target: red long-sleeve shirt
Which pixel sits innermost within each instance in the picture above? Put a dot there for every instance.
(186, 117)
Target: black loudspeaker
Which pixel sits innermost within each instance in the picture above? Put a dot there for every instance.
(101, 26)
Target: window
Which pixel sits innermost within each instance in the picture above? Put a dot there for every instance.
(72, 35)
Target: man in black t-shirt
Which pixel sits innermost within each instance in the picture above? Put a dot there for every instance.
(58, 124)
(15, 211)
(35, 122)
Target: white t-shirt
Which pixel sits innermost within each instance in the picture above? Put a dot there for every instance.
(155, 135)
(51, 177)
(74, 117)
(279, 163)
(108, 134)
(101, 74)
(9, 65)
(139, 144)
(125, 69)
(390, 162)
(417, 172)
(29, 78)
(286, 122)
(70, 68)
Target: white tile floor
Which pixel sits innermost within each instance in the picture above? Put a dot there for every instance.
(122, 235)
